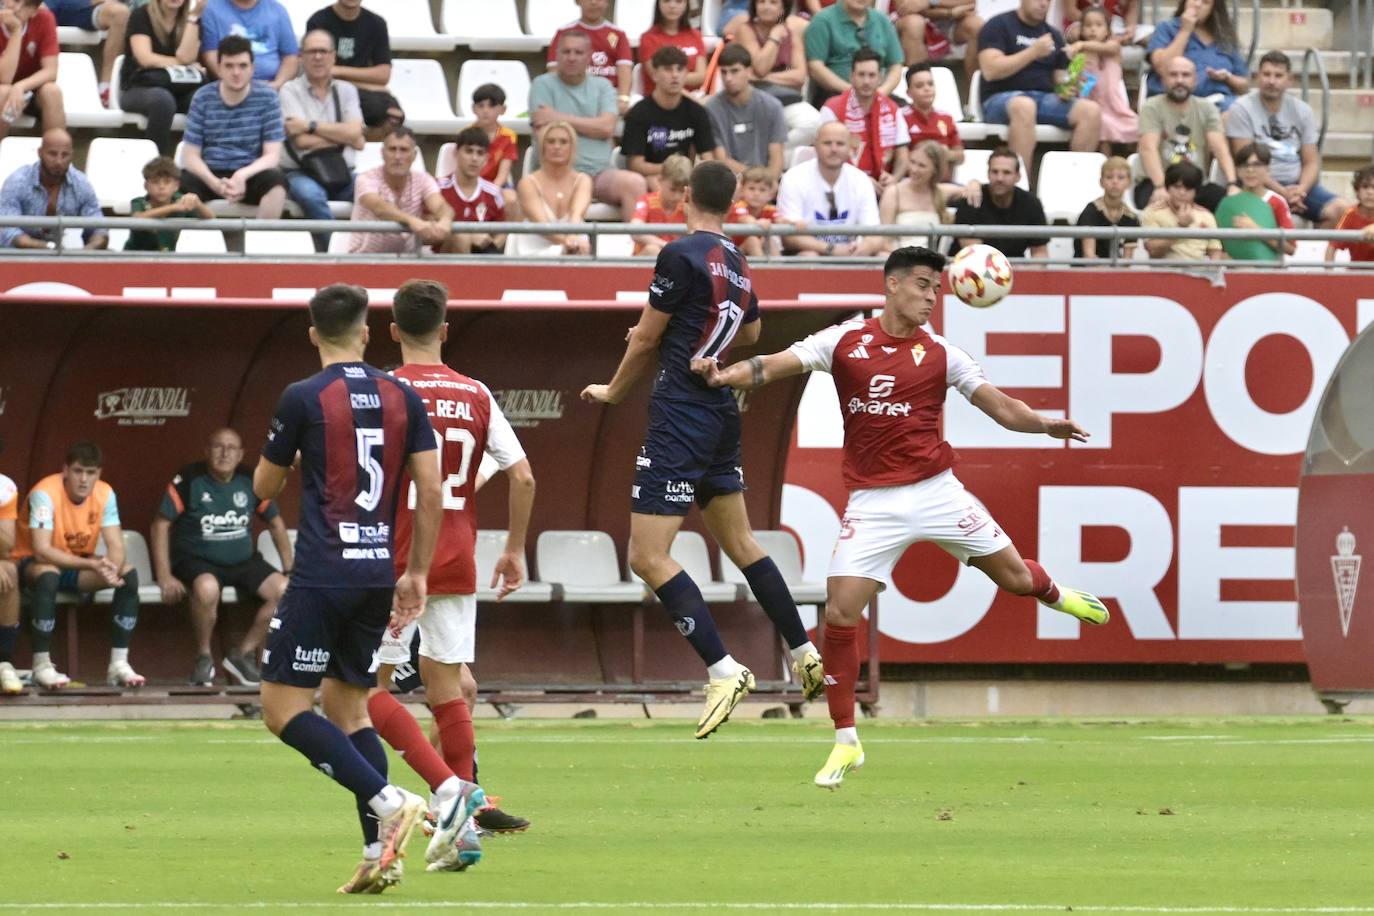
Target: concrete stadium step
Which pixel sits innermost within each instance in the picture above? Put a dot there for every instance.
(1350, 110)
(1355, 146)
(1307, 27)
(1337, 65)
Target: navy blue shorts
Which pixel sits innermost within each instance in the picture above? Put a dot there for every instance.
(326, 632)
(690, 454)
(67, 579)
(80, 15)
(406, 677)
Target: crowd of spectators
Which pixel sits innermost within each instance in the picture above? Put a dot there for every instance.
(270, 117)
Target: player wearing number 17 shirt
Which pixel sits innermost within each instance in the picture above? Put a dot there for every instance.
(355, 430)
(701, 301)
(891, 375)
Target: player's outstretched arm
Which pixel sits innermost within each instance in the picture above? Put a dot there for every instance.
(509, 574)
(1016, 416)
(639, 352)
(409, 599)
(750, 373)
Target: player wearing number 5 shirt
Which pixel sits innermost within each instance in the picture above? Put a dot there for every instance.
(700, 302)
(891, 375)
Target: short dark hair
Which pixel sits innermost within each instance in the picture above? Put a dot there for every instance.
(1277, 59)
(736, 55)
(420, 307)
(906, 259)
(233, 46)
(337, 309)
(161, 167)
(400, 130)
(1258, 150)
(863, 54)
(85, 453)
(669, 56)
(713, 186)
(472, 136)
(489, 92)
(1362, 177)
(574, 33)
(1185, 173)
(922, 67)
(1004, 152)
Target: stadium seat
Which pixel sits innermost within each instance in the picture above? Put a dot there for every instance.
(614, 245)
(300, 12)
(802, 154)
(410, 25)
(280, 242)
(598, 212)
(785, 552)
(490, 25)
(269, 549)
(710, 13)
(510, 75)
(422, 89)
(1044, 133)
(370, 156)
(689, 551)
(489, 546)
(71, 36)
(201, 241)
(16, 152)
(635, 17)
(129, 117)
(446, 163)
(1068, 182)
(585, 564)
(135, 555)
(115, 167)
(947, 97)
(544, 17)
(80, 92)
(530, 245)
(975, 168)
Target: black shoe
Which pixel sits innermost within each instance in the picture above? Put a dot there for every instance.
(204, 673)
(241, 667)
(494, 820)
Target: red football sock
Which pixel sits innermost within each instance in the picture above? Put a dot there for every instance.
(841, 655)
(395, 724)
(1042, 586)
(455, 736)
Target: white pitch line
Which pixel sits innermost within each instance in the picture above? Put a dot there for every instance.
(694, 905)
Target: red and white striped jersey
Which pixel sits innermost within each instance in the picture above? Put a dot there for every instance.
(468, 423)
(892, 395)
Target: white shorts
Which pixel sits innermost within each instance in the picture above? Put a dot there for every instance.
(448, 632)
(881, 523)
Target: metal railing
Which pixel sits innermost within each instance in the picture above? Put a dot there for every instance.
(1364, 41)
(1309, 57)
(1254, 35)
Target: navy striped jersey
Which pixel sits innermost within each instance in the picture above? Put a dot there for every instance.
(355, 427)
(703, 282)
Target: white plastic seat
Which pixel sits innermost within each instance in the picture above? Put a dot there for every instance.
(490, 544)
(510, 75)
(1066, 182)
(70, 35)
(975, 168)
(16, 152)
(130, 117)
(446, 163)
(802, 154)
(300, 12)
(135, 555)
(281, 242)
(635, 17)
(421, 88)
(370, 156)
(1044, 133)
(268, 549)
(584, 563)
(598, 212)
(615, 245)
(689, 551)
(410, 25)
(201, 241)
(80, 92)
(544, 17)
(115, 167)
(947, 99)
(710, 13)
(489, 25)
(785, 552)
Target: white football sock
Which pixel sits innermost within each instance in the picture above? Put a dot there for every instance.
(372, 851)
(386, 802)
(726, 667)
(448, 788)
(42, 660)
(849, 736)
(119, 655)
(799, 653)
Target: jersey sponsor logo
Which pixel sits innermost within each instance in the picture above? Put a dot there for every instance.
(859, 352)
(660, 284)
(42, 515)
(1345, 569)
(880, 388)
(353, 533)
(528, 407)
(662, 137)
(311, 660)
(362, 400)
(642, 460)
(366, 553)
(453, 410)
(680, 491)
(231, 526)
(439, 383)
(347, 47)
(354, 372)
(143, 405)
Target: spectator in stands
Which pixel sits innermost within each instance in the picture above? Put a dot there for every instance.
(589, 107)
(833, 36)
(1177, 127)
(265, 23)
(878, 135)
(774, 38)
(503, 148)
(49, 186)
(162, 200)
(1179, 210)
(1022, 60)
(160, 72)
(758, 187)
(749, 124)
(610, 56)
(1123, 19)
(324, 131)
(60, 524)
(667, 121)
(233, 138)
(108, 16)
(395, 190)
(1108, 210)
(1272, 117)
(1201, 31)
(472, 198)
(202, 542)
(664, 205)
(924, 122)
(1102, 66)
(556, 192)
(9, 587)
(829, 191)
(1252, 161)
(1358, 218)
(362, 47)
(1002, 203)
(671, 27)
(921, 198)
(929, 28)
(28, 68)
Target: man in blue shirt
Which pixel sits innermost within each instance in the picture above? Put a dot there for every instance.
(49, 187)
(234, 133)
(266, 24)
(701, 301)
(1022, 60)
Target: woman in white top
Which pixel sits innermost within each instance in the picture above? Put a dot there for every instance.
(555, 192)
(920, 198)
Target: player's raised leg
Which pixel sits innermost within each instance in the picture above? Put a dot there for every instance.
(728, 521)
(651, 536)
(1027, 577)
(846, 597)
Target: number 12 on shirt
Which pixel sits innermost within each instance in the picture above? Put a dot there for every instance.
(453, 482)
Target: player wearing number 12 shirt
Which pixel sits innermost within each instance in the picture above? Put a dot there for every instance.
(701, 301)
(891, 375)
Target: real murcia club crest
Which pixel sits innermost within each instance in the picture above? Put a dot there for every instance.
(1345, 569)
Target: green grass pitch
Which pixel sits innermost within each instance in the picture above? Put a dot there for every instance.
(1240, 816)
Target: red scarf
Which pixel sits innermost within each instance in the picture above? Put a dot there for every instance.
(877, 128)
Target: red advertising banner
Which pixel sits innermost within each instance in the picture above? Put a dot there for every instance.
(1179, 512)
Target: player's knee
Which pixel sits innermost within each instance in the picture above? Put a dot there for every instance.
(206, 591)
(644, 560)
(838, 615)
(1018, 582)
(44, 579)
(130, 577)
(468, 688)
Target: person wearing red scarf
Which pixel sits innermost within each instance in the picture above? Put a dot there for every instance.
(879, 134)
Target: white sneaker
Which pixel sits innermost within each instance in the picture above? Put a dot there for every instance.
(119, 674)
(395, 829)
(454, 817)
(9, 680)
(49, 678)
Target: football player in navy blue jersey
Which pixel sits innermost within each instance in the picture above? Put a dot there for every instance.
(355, 429)
(701, 301)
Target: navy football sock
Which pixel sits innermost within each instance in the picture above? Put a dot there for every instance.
(43, 611)
(325, 746)
(124, 611)
(776, 600)
(7, 637)
(682, 599)
(369, 744)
